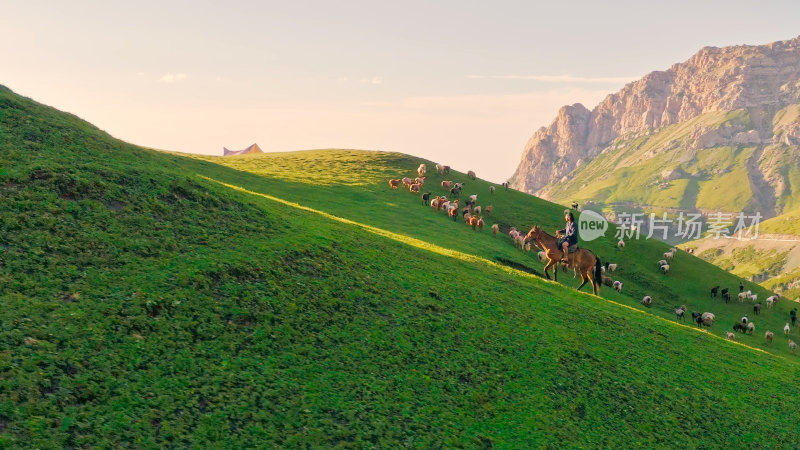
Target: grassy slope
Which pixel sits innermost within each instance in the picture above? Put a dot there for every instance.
(211, 315)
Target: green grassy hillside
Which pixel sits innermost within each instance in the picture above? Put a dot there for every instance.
(153, 299)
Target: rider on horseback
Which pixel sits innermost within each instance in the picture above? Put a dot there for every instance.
(568, 236)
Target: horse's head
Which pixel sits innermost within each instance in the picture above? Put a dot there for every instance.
(533, 234)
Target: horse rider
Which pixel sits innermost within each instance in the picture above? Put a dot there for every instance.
(568, 236)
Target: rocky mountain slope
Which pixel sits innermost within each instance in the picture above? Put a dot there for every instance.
(760, 80)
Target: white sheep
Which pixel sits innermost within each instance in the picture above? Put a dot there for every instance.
(542, 256)
(495, 229)
(771, 300)
(769, 336)
(491, 189)
(786, 329)
(476, 210)
(754, 297)
(647, 301)
(730, 336)
(751, 327)
(621, 244)
(665, 268)
(792, 345)
(742, 296)
(708, 319)
(668, 255)
(612, 267)
(421, 170)
(662, 262)
(617, 285)
(473, 198)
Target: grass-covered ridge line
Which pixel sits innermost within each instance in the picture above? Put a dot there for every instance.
(211, 317)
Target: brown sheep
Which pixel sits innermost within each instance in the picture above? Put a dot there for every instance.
(489, 209)
(447, 184)
(495, 229)
(480, 223)
(473, 222)
(769, 336)
(394, 184)
(414, 188)
(471, 174)
(476, 210)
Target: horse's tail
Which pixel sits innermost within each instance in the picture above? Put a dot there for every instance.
(598, 272)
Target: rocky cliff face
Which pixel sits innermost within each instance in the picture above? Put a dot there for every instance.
(761, 78)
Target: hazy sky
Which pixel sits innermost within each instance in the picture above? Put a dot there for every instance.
(461, 82)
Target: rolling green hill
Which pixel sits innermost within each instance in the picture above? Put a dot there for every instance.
(155, 299)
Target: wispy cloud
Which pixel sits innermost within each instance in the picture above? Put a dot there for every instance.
(556, 78)
(172, 77)
(373, 80)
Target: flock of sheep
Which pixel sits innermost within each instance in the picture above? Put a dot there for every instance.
(472, 214)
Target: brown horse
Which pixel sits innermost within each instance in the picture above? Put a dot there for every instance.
(583, 261)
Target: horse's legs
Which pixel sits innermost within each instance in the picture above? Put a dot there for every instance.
(549, 263)
(584, 279)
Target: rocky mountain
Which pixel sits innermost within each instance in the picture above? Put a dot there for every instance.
(762, 81)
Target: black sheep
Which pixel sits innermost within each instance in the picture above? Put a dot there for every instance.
(426, 199)
(739, 327)
(714, 291)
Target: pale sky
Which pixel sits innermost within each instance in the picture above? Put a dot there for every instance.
(463, 83)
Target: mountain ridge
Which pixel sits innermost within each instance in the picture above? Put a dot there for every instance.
(751, 77)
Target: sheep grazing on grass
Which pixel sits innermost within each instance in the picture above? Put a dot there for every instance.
(480, 223)
(611, 267)
(662, 262)
(730, 336)
(707, 319)
(754, 297)
(647, 301)
(714, 291)
(757, 308)
(495, 229)
(471, 174)
(476, 210)
(617, 286)
(421, 170)
(697, 318)
(426, 198)
(453, 212)
(792, 345)
(407, 181)
(519, 241)
(726, 296)
(420, 180)
(607, 281)
(473, 198)
(665, 268)
(751, 327)
(744, 320)
(680, 313)
(513, 233)
(465, 211)
(669, 255)
(473, 222)
(394, 184)
(770, 301)
(621, 244)
(491, 189)
(786, 329)
(455, 192)
(741, 328)
(742, 296)
(467, 217)
(439, 168)
(725, 291)
(489, 209)
(414, 188)
(447, 185)
(769, 336)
